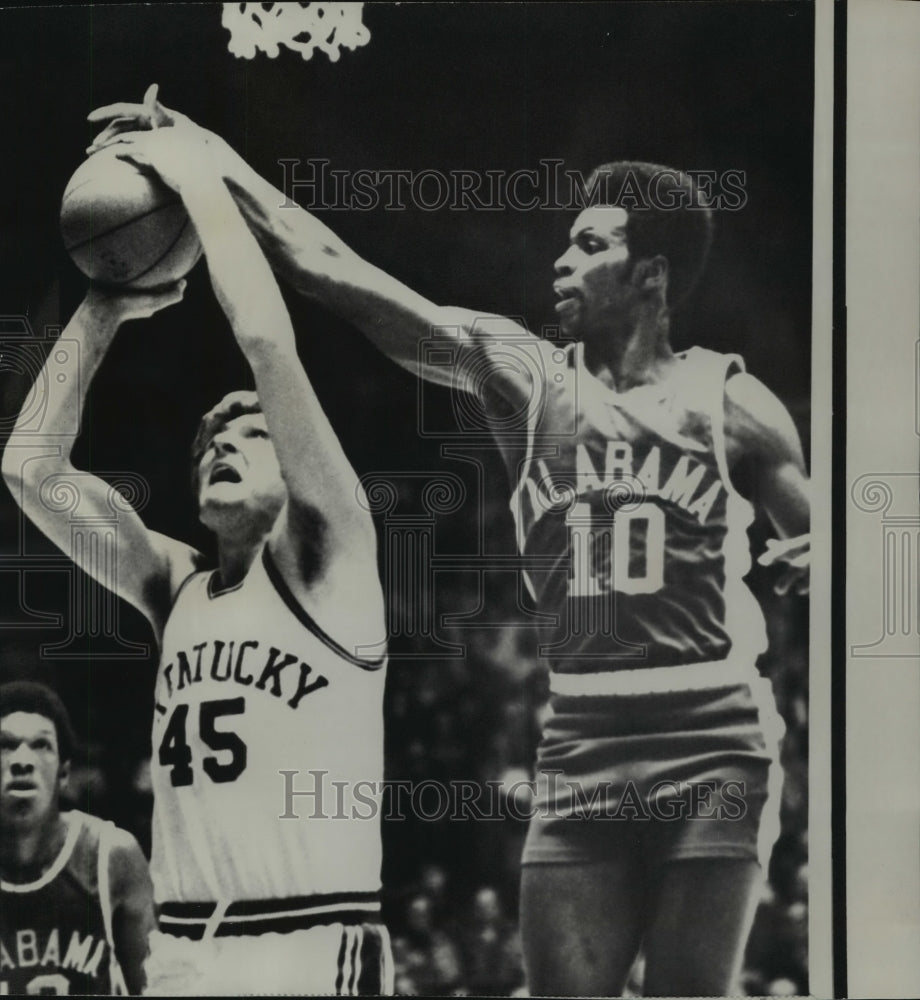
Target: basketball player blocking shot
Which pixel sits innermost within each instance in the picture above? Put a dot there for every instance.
(259, 657)
(634, 472)
(76, 905)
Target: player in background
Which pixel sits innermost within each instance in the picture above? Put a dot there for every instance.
(263, 662)
(76, 904)
(636, 470)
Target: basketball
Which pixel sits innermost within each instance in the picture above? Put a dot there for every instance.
(125, 228)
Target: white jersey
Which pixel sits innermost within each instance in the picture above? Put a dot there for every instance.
(250, 687)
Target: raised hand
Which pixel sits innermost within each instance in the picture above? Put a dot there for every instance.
(180, 156)
(131, 117)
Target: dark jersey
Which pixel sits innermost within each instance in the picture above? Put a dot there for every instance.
(635, 538)
(56, 932)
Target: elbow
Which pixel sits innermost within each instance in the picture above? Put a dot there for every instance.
(261, 326)
(21, 480)
(25, 473)
(317, 269)
(305, 271)
(268, 348)
(13, 460)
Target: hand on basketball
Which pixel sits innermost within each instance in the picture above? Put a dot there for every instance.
(124, 304)
(180, 156)
(795, 554)
(127, 117)
(127, 120)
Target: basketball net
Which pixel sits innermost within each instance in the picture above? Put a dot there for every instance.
(302, 27)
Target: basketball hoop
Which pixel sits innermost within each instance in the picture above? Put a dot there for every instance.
(302, 27)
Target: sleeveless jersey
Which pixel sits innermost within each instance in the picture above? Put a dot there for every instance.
(635, 540)
(56, 932)
(249, 686)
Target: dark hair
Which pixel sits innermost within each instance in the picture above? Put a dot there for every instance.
(29, 696)
(668, 215)
(233, 405)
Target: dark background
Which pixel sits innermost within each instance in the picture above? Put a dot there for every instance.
(708, 86)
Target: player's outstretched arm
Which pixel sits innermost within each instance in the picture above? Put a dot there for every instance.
(764, 447)
(331, 531)
(132, 908)
(44, 481)
(320, 265)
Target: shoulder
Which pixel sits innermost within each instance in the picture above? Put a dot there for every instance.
(179, 562)
(97, 842)
(499, 360)
(471, 329)
(505, 338)
(182, 561)
(756, 421)
(486, 326)
(119, 845)
(709, 370)
(128, 869)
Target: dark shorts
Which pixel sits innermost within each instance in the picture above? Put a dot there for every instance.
(658, 777)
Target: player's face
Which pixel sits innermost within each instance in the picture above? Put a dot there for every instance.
(592, 283)
(30, 764)
(240, 468)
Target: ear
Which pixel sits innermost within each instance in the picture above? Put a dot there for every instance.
(63, 775)
(651, 274)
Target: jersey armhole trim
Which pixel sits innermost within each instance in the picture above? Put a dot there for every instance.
(734, 365)
(304, 617)
(104, 881)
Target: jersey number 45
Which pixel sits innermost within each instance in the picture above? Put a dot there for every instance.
(175, 752)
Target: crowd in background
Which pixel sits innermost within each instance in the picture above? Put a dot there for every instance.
(453, 890)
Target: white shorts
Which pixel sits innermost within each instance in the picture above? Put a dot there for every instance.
(333, 959)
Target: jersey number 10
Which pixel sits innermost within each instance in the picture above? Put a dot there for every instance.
(622, 552)
(50, 984)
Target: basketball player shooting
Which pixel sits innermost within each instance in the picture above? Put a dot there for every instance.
(76, 904)
(634, 472)
(260, 666)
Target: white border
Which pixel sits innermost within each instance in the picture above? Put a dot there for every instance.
(883, 390)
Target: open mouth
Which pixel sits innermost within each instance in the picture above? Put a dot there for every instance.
(566, 302)
(224, 474)
(564, 294)
(21, 787)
